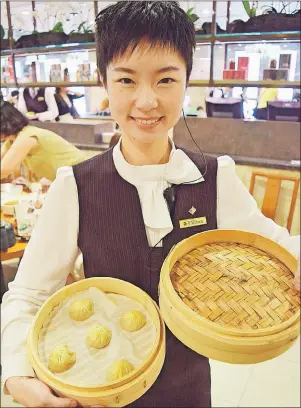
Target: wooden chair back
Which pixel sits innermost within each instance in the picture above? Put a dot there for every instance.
(272, 191)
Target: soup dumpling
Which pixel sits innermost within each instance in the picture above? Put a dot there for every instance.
(118, 369)
(98, 337)
(61, 359)
(81, 309)
(132, 320)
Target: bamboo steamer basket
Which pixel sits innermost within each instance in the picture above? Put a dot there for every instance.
(229, 295)
(116, 393)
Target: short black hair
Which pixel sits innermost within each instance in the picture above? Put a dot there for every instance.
(12, 120)
(123, 26)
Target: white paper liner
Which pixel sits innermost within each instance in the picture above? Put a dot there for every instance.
(91, 364)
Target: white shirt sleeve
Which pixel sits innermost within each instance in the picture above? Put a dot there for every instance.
(49, 258)
(21, 102)
(237, 209)
(53, 110)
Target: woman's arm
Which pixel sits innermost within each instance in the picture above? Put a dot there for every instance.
(4, 148)
(76, 95)
(16, 154)
(49, 258)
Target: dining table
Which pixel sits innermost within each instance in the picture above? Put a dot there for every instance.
(17, 250)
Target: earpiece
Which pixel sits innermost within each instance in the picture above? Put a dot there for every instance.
(170, 193)
(201, 151)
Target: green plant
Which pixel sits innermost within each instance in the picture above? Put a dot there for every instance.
(58, 28)
(2, 33)
(283, 9)
(192, 16)
(250, 11)
(82, 29)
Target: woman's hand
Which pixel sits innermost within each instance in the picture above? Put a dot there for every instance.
(32, 392)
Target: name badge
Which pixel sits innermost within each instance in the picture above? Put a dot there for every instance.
(193, 222)
(41, 98)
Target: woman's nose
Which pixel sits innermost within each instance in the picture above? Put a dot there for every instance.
(146, 101)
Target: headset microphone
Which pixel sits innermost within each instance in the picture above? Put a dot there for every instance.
(170, 196)
(170, 193)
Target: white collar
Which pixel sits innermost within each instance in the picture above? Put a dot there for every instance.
(152, 180)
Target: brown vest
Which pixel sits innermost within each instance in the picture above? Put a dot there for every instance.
(113, 241)
(34, 104)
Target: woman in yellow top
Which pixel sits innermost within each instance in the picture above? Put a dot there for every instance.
(41, 151)
(266, 95)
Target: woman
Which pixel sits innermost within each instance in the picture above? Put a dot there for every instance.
(64, 99)
(265, 95)
(13, 98)
(112, 208)
(39, 150)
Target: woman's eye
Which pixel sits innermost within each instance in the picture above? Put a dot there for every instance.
(125, 81)
(167, 80)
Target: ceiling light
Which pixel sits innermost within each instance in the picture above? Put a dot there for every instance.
(25, 12)
(206, 11)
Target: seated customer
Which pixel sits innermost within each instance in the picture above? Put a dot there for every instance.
(13, 98)
(64, 99)
(39, 150)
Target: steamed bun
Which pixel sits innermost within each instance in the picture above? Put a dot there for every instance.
(61, 359)
(118, 369)
(98, 337)
(81, 309)
(132, 320)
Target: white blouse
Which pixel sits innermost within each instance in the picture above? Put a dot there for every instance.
(52, 251)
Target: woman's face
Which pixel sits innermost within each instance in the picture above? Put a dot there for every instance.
(146, 92)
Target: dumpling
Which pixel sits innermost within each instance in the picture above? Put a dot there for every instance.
(132, 320)
(118, 369)
(98, 337)
(81, 309)
(61, 359)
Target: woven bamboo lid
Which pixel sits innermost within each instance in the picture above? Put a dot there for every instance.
(229, 295)
(236, 286)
